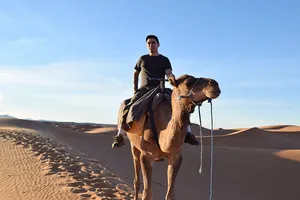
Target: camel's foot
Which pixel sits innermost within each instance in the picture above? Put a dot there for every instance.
(191, 139)
(118, 141)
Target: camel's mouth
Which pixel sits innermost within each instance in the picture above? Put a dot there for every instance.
(212, 91)
(212, 95)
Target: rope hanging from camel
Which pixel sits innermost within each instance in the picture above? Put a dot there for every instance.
(212, 149)
(201, 141)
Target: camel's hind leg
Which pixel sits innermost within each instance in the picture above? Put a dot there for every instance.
(146, 164)
(174, 164)
(136, 154)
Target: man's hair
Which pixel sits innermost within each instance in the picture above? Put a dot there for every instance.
(152, 36)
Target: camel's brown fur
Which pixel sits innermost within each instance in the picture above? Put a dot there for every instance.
(171, 123)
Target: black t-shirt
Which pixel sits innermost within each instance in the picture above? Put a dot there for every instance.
(152, 67)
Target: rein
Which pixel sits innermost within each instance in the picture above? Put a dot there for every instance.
(201, 135)
(190, 94)
(212, 149)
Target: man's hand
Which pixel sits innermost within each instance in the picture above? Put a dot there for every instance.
(172, 80)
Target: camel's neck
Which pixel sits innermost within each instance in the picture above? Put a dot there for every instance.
(177, 127)
(179, 118)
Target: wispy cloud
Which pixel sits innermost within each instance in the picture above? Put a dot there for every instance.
(72, 90)
(80, 85)
(96, 100)
(28, 41)
(63, 75)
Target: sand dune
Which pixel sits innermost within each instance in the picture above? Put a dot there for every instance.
(249, 164)
(289, 154)
(106, 130)
(286, 129)
(257, 138)
(85, 176)
(19, 170)
(274, 127)
(76, 126)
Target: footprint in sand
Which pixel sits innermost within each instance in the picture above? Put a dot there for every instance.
(100, 185)
(75, 184)
(90, 179)
(93, 189)
(78, 190)
(86, 195)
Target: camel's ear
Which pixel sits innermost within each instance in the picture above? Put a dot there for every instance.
(172, 80)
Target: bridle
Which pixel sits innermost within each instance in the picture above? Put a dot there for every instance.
(201, 135)
(190, 94)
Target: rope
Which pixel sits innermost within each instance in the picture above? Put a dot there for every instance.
(201, 142)
(212, 149)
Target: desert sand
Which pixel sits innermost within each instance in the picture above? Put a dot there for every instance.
(58, 160)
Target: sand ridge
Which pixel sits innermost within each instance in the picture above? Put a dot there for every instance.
(86, 177)
(22, 178)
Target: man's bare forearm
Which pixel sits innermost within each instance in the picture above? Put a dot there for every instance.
(169, 73)
(136, 80)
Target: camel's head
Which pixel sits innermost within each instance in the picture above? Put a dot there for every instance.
(191, 91)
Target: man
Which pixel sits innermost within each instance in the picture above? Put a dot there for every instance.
(152, 65)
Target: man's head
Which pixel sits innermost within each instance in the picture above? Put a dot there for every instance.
(152, 43)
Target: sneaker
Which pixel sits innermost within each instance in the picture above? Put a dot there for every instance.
(191, 139)
(118, 141)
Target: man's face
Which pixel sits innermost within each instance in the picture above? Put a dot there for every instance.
(152, 45)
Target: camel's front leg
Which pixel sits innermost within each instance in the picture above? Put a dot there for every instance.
(137, 169)
(174, 164)
(146, 164)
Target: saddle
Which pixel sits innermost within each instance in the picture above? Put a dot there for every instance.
(147, 104)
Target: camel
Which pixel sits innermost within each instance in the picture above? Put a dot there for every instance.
(171, 121)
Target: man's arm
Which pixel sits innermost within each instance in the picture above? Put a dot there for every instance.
(169, 73)
(136, 80)
(138, 68)
(171, 77)
(168, 68)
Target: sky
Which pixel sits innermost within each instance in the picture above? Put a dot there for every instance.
(73, 60)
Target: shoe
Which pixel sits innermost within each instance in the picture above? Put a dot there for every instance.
(118, 141)
(191, 139)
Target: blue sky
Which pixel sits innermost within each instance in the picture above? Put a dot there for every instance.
(73, 60)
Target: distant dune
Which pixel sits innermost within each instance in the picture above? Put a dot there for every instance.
(258, 138)
(104, 130)
(283, 128)
(6, 117)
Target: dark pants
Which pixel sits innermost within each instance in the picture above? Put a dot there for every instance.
(141, 92)
(138, 94)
